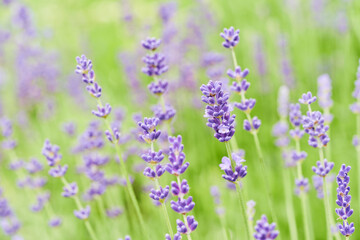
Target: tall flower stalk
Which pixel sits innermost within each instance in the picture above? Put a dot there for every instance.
(85, 69)
(222, 122)
(251, 124)
(314, 124)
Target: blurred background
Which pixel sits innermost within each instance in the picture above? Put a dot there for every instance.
(282, 42)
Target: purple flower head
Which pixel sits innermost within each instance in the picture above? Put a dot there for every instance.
(34, 166)
(102, 111)
(159, 87)
(183, 229)
(10, 226)
(158, 172)
(95, 160)
(183, 206)
(70, 190)
(307, 98)
(238, 74)
(240, 87)
(216, 99)
(96, 189)
(302, 186)
(253, 126)
(164, 113)
(231, 37)
(58, 171)
(346, 229)
(9, 144)
(55, 222)
(159, 195)
(155, 65)
(355, 141)
(83, 214)
(151, 43)
(37, 182)
(324, 91)
(114, 136)
(177, 236)
(230, 174)
(84, 68)
(150, 134)
(211, 58)
(246, 105)
(153, 157)
(5, 210)
(296, 133)
(264, 230)
(181, 190)
(295, 115)
(114, 212)
(51, 152)
(6, 127)
(298, 156)
(176, 157)
(323, 170)
(15, 165)
(94, 90)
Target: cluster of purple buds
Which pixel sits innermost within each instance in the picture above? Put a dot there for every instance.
(83, 214)
(179, 189)
(343, 201)
(302, 186)
(149, 132)
(156, 66)
(85, 69)
(264, 230)
(91, 139)
(51, 152)
(236, 173)
(177, 236)
(8, 220)
(323, 169)
(324, 95)
(218, 110)
(314, 123)
(231, 37)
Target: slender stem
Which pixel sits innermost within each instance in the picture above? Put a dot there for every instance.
(79, 206)
(326, 200)
(289, 204)
(234, 57)
(248, 228)
(167, 219)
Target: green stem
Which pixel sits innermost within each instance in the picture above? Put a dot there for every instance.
(187, 226)
(289, 204)
(248, 228)
(167, 219)
(234, 57)
(223, 227)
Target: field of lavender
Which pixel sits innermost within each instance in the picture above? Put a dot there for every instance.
(172, 120)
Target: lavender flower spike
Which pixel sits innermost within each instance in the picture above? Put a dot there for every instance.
(102, 111)
(322, 171)
(51, 152)
(177, 236)
(230, 175)
(151, 43)
(150, 134)
(183, 206)
(231, 37)
(343, 201)
(264, 230)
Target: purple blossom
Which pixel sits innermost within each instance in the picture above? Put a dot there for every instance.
(114, 212)
(246, 105)
(114, 136)
(94, 90)
(70, 190)
(159, 195)
(153, 157)
(155, 65)
(58, 171)
(253, 126)
(84, 68)
(51, 152)
(238, 74)
(102, 111)
(183, 206)
(176, 157)
(159, 87)
(34, 166)
(240, 87)
(302, 186)
(158, 172)
(323, 169)
(191, 225)
(232, 175)
(164, 113)
(346, 229)
(264, 230)
(55, 222)
(177, 236)
(150, 134)
(181, 190)
(318, 185)
(307, 98)
(151, 43)
(231, 37)
(69, 128)
(83, 214)
(295, 115)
